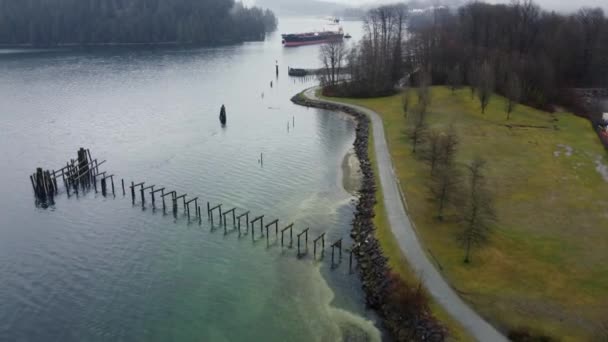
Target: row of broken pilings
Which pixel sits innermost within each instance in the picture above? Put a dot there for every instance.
(375, 273)
(77, 173)
(81, 174)
(302, 236)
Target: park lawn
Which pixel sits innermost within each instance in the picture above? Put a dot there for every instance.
(545, 265)
(396, 259)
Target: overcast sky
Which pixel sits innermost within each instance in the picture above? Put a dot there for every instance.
(558, 5)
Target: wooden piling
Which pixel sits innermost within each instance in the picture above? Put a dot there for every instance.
(261, 220)
(276, 230)
(305, 231)
(322, 238)
(290, 227)
(246, 214)
(122, 181)
(233, 210)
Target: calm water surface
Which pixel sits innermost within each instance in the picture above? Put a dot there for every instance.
(102, 269)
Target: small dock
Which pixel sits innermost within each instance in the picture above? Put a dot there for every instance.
(302, 72)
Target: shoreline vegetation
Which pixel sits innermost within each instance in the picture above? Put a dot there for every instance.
(403, 308)
(541, 274)
(66, 23)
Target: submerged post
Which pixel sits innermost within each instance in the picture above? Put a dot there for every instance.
(322, 238)
(261, 220)
(246, 214)
(290, 227)
(305, 231)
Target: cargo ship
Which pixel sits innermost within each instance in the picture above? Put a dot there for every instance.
(331, 34)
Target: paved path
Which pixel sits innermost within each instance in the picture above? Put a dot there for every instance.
(408, 240)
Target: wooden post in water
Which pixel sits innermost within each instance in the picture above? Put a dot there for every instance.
(305, 231)
(172, 193)
(261, 220)
(183, 197)
(122, 181)
(143, 192)
(233, 219)
(276, 231)
(246, 214)
(132, 192)
(290, 227)
(211, 210)
(195, 199)
(350, 258)
(322, 238)
(103, 186)
(153, 192)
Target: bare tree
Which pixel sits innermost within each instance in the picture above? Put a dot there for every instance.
(455, 78)
(485, 85)
(418, 131)
(332, 55)
(445, 176)
(405, 100)
(444, 183)
(513, 93)
(423, 82)
(478, 212)
(434, 148)
(449, 146)
(472, 79)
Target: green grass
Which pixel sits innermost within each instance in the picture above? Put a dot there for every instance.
(396, 259)
(545, 265)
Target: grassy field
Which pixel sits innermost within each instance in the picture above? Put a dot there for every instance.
(545, 266)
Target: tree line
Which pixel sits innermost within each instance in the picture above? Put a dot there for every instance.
(516, 49)
(82, 22)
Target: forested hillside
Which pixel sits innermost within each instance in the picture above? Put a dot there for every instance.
(82, 22)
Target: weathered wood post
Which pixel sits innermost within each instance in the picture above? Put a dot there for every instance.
(261, 220)
(132, 192)
(172, 193)
(350, 259)
(290, 227)
(183, 197)
(200, 217)
(276, 228)
(211, 210)
(305, 231)
(153, 192)
(122, 181)
(322, 238)
(246, 214)
(195, 199)
(103, 186)
(233, 219)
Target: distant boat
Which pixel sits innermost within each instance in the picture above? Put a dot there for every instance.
(223, 115)
(331, 33)
(347, 36)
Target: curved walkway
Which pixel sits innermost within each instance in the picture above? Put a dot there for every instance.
(408, 241)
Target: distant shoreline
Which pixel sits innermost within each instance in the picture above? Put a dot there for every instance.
(151, 44)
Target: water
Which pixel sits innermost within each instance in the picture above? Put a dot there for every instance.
(101, 269)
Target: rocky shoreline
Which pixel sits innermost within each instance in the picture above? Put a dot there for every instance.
(414, 323)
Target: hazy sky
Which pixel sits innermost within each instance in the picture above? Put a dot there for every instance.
(558, 5)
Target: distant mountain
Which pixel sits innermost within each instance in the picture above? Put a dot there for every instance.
(299, 7)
